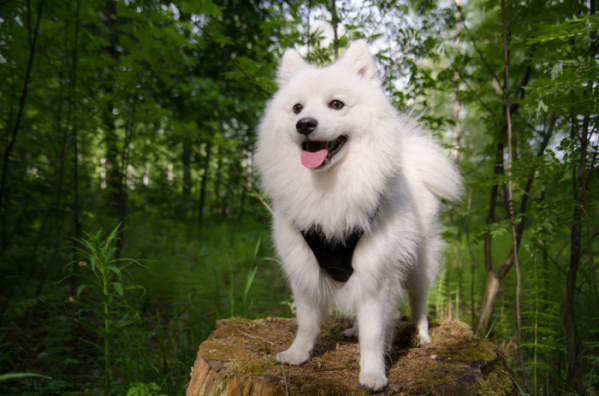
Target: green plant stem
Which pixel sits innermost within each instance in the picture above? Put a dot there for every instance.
(106, 330)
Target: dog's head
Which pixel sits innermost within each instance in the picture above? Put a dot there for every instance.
(323, 110)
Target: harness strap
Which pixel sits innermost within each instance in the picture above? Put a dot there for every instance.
(335, 257)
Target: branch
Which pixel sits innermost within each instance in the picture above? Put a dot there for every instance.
(479, 52)
(398, 58)
(381, 20)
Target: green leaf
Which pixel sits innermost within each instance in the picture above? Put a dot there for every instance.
(80, 289)
(119, 288)
(257, 248)
(4, 377)
(86, 323)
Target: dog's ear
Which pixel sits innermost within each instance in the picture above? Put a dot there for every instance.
(358, 59)
(291, 63)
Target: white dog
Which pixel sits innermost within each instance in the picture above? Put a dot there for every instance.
(355, 188)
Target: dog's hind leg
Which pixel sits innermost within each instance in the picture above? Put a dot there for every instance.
(353, 332)
(309, 316)
(418, 305)
(417, 287)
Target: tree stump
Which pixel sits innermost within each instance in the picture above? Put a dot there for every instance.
(239, 359)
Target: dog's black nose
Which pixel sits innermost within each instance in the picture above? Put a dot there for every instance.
(306, 125)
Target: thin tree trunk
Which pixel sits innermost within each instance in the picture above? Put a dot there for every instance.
(308, 27)
(572, 338)
(219, 203)
(334, 20)
(186, 159)
(511, 188)
(457, 128)
(490, 293)
(204, 178)
(113, 171)
(575, 242)
(212, 131)
(13, 139)
(242, 204)
(75, 151)
(125, 158)
(473, 265)
(57, 222)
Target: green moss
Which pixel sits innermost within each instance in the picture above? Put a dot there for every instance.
(243, 367)
(497, 381)
(247, 348)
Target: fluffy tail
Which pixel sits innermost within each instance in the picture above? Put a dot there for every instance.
(440, 174)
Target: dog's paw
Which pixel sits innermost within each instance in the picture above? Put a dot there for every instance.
(424, 339)
(374, 382)
(353, 332)
(293, 358)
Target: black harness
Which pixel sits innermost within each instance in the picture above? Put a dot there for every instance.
(335, 257)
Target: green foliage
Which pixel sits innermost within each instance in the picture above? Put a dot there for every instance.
(140, 389)
(144, 113)
(107, 297)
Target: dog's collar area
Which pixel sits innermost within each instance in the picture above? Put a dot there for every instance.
(333, 257)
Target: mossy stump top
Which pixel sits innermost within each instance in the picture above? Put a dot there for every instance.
(238, 359)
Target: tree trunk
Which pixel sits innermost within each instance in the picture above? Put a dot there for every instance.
(239, 359)
(75, 265)
(13, 138)
(490, 295)
(334, 21)
(204, 181)
(113, 173)
(571, 331)
(186, 159)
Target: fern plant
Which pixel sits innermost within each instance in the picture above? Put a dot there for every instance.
(542, 317)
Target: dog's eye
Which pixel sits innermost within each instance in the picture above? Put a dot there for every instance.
(336, 104)
(297, 108)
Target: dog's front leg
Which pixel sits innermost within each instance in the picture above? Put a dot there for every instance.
(309, 316)
(373, 322)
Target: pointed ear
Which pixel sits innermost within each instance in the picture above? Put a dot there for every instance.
(358, 59)
(291, 63)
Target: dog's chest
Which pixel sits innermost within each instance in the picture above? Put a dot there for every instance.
(334, 257)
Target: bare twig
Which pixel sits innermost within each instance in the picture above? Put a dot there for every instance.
(480, 54)
(257, 338)
(515, 16)
(398, 58)
(381, 20)
(285, 379)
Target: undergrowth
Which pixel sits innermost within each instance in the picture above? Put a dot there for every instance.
(133, 327)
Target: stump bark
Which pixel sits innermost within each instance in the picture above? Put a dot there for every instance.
(238, 359)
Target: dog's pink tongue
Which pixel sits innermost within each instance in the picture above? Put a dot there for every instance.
(315, 154)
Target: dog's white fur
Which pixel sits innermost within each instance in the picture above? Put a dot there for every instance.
(388, 160)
